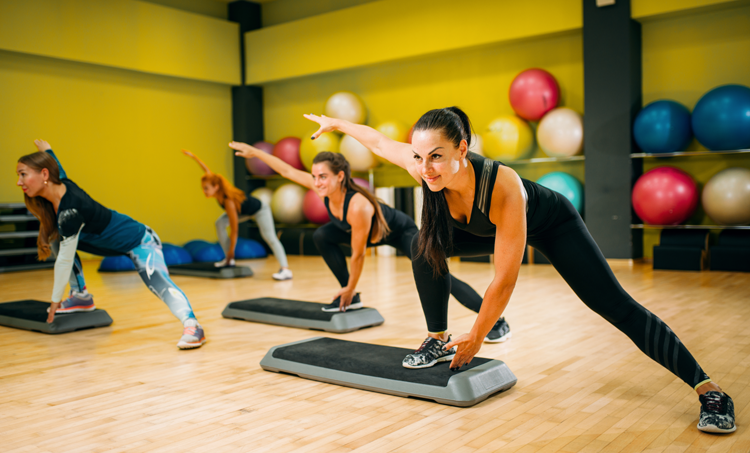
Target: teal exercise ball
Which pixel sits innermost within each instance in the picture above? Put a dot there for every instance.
(566, 185)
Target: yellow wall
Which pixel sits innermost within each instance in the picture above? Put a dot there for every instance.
(685, 57)
(118, 134)
(277, 12)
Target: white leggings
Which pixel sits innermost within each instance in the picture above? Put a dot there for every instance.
(264, 219)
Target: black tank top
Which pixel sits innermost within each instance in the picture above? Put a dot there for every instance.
(544, 207)
(388, 213)
(250, 206)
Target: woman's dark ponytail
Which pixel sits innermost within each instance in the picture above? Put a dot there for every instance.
(436, 232)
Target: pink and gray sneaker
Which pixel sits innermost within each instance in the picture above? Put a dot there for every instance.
(77, 302)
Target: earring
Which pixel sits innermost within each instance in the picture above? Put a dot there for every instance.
(45, 182)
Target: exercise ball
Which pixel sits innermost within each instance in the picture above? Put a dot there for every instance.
(209, 254)
(174, 254)
(287, 149)
(564, 184)
(726, 197)
(395, 131)
(663, 127)
(363, 183)
(721, 118)
(256, 166)
(360, 158)
(119, 263)
(410, 133)
(477, 144)
(249, 249)
(194, 245)
(314, 209)
(286, 203)
(508, 138)
(308, 149)
(560, 133)
(665, 196)
(264, 194)
(533, 93)
(347, 106)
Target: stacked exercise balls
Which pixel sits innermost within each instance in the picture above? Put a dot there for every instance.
(287, 202)
(347, 106)
(726, 197)
(508, 138)
(564, 184)
(256, 166)
(721, 118)
(533, 93)
(665, 196)
(663, 127)
(327, 141)
(287, 149)
(560, 133)
(360, 158)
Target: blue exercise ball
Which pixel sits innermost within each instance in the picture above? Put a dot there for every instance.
(248, 249)
(194, 245)
(663, 127)
(566, 185)
(721, 118)
(209, 253)
(175, 255)
(119, 263)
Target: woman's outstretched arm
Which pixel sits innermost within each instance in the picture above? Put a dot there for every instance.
(200, 162)
(398, 153)
(302, 178)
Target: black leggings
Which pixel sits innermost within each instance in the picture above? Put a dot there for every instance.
(329, 238)
(573, 252)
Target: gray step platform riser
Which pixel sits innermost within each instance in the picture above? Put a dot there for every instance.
(217, 275)
(355, 320)
(71, 324)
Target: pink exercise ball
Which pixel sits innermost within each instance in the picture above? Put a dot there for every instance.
(665, 196)
(256, 166)
(314, 209)
(533, 93)
(287, 149)
(363, 183)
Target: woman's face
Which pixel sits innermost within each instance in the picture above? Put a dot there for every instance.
(324, 181)
(209, 189)
(437, 160)
(30, 180)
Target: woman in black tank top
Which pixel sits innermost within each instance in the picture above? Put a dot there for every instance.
(358, 220)
(475, 206)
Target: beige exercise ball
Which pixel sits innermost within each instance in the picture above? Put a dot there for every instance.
(360, 158)
(560, 133)
(263, 194)
(726, 197)
(287, 202)
(346, 105)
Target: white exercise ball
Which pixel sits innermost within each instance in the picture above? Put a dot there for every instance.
(287, 203)
(347, 106)
(263, 194)
(726, 197)
(360, 158)
(560, 133)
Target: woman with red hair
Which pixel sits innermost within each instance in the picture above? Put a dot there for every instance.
(240, 208)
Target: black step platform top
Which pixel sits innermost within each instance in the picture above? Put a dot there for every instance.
(284, 307)
(32, 310)
(369, 360)
(32, 315)
(206, 267)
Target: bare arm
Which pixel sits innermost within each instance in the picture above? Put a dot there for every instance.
(395, 152)
(200, 162)
(508, 212)
(359, 217)
(234, 223)
(302, 178)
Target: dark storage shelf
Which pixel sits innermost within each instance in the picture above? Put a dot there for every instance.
(641, 226)
(542, 160)
(689, 153)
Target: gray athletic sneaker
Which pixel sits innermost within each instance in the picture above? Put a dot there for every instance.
(192, 337)
(500, 332)
(77, 302)
(717, 413)
(430, 353)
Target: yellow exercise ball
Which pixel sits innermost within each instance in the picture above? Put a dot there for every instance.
(327, 141)
(346, 105)
(360, 158)
(263, 194)
(508, 138)
(395, 131)
(560, 133)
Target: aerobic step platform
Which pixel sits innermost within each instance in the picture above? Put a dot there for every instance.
(208, 270)
(305, 315)
(378, 369)
(32, 315)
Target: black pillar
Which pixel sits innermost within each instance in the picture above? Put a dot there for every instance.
(247, 101)
(612, 98)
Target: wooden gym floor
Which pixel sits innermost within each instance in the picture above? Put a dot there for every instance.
(582, 385)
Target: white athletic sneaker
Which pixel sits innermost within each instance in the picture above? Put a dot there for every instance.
(282, 274)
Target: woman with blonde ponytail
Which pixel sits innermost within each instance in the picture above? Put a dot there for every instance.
(358, 220)
(240, 208)
(70, 220)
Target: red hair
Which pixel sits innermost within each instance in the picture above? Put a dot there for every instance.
(226, 189)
